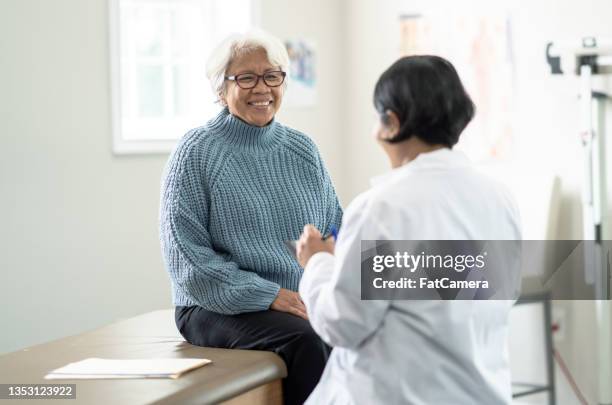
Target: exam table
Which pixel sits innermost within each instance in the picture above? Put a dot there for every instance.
(234, 377)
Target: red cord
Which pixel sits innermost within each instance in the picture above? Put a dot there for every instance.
(569, 377)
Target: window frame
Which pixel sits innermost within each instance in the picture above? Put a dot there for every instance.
(121, 145)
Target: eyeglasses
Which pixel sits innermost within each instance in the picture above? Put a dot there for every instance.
(247, 81)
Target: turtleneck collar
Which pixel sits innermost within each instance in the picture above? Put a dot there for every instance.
(243, 136)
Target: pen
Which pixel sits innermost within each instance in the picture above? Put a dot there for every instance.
(332, 232)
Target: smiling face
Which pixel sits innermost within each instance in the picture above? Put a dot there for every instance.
(256, 106)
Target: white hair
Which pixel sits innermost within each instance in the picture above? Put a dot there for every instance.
(237, 45)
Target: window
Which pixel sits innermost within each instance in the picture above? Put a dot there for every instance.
(158, 55)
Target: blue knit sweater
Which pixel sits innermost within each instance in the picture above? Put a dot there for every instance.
(232, 193)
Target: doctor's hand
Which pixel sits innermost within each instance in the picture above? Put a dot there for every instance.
(290, 302)
(310, 243)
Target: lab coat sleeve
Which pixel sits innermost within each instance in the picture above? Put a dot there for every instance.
(331, 286)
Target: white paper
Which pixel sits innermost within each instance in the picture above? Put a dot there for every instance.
(126, 368)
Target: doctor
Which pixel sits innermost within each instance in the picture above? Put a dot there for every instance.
(412, 352)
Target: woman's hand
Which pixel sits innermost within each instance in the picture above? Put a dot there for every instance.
(310, 243)
(290, 302)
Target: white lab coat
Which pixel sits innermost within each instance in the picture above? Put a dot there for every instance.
(413, 352)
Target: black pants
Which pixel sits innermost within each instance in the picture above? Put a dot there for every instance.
(289, 336)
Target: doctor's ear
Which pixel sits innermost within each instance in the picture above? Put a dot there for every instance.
(392, 124)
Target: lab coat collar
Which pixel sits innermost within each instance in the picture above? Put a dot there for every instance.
(444, 158)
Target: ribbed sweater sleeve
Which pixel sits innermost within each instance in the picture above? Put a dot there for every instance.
(196, 269)
(334, 210)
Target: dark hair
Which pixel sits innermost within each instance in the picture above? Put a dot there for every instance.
(427, 95)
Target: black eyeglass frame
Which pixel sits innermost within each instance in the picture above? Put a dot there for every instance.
(235, 78)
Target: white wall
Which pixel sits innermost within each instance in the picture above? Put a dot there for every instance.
(79, 238)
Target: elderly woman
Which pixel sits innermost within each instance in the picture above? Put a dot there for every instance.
(235, 189)
(412, 352)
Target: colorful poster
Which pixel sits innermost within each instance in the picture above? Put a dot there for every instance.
(480, 48)
(301, 87)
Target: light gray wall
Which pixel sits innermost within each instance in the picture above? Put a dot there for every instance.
(79, 237)
(79, 234)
